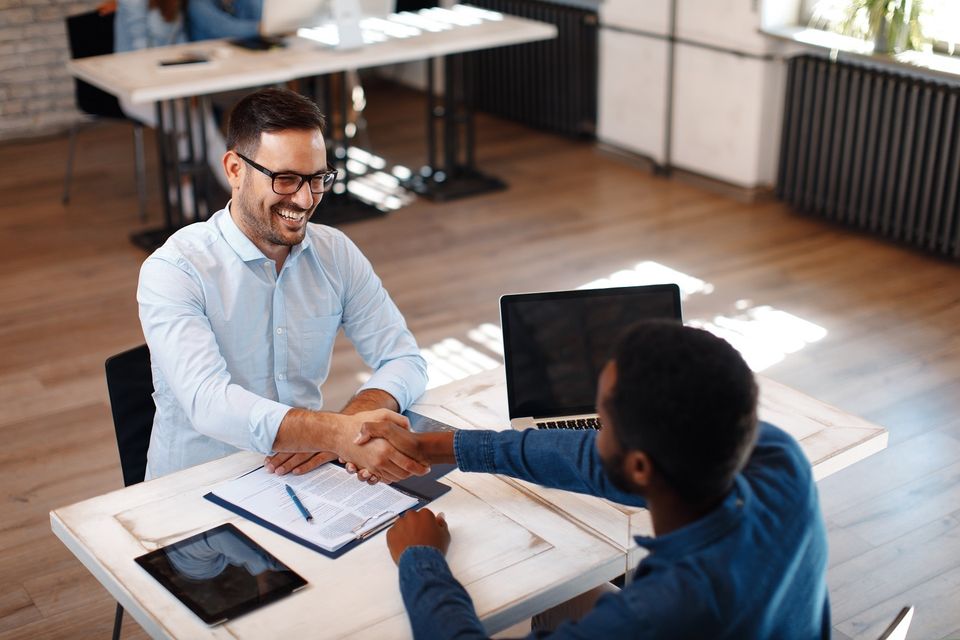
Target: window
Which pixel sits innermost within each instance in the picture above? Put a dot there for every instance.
(939, 21)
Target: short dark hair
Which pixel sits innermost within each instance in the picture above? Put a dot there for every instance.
(688, 400)
(269, 110)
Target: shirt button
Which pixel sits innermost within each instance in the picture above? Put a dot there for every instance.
(279, 331)
(281, 377)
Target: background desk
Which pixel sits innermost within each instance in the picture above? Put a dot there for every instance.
(450, 169)
(537, 558)
(831, 439)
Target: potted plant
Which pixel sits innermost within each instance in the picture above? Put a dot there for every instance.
(893, 25)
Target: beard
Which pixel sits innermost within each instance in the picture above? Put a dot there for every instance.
(263, 223)
(614, 470)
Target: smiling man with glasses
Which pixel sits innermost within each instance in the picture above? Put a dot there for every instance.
(240, 313)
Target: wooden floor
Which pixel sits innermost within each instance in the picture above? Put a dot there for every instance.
(891, 351)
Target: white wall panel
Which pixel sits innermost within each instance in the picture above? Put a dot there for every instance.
(731, 24)
(632, 93)
(726, 116)
(650, 16)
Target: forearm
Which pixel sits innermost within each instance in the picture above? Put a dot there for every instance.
(437, 448)
(559, 459)
(369, 399)
(302, 430)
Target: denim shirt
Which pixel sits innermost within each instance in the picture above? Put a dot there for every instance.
(137, 26)
(234, 345)
(211, 19)
(754, 567)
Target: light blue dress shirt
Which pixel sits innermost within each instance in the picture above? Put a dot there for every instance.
(234, 346)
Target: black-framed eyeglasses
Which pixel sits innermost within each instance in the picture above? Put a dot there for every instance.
(286, 183)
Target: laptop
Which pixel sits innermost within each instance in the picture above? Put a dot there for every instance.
(555, 344)
(283, 16)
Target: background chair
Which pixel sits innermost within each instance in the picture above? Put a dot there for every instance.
(898, 628)
(130, 386)
(91, 34)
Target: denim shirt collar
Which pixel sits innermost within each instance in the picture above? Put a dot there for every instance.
(704, 531)
(244, 247)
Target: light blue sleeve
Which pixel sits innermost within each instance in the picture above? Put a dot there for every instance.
(184, 347)
(375, 326)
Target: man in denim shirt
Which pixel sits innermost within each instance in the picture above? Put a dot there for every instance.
(740, 549)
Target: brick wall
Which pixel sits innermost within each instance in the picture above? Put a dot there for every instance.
(36, 92)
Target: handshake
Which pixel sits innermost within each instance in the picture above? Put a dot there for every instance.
(377, 445)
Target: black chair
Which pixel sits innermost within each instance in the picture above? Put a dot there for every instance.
(130, 386)
(91, 34)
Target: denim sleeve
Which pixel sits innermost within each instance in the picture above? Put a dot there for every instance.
(184, 347)
(375, 326)
(208, 20)
(438, 606)
(559, 459)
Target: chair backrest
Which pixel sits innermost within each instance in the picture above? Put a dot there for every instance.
(898, 628)
(130, 385)
(91, 34)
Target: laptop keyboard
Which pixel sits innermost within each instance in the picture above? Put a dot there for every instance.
(581, 424)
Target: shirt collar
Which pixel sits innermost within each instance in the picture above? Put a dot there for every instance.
(244, 247)
(698, 534)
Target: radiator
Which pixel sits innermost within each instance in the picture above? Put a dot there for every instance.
(549, 85)
(873, 149)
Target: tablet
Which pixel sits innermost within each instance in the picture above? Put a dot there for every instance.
(221, 573)
(420, 423)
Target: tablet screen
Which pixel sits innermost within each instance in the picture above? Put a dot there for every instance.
(221, 573)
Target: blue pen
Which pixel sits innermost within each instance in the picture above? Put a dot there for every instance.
(302, 509)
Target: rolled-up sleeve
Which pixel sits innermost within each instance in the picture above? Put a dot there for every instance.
(183, 346)
(375, 326)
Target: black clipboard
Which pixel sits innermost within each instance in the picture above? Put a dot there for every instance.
(424, 488)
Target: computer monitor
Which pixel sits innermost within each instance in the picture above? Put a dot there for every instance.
(283, 16)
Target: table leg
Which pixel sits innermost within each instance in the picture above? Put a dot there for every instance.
(174, 117)
(457, 176)
(150, 239)
(340, 205)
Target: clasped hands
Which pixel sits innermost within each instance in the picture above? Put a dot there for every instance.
(376, 445)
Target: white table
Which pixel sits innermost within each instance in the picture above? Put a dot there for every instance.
(450, 170)
(518, 548)
(831, 439)
(536, 559)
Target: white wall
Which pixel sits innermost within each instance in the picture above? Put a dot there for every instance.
(728, 84)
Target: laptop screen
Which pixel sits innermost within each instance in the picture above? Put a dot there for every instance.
(555, 344)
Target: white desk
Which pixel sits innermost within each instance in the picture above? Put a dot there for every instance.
(138, 77)
(832, 440)
(449, 171)
(535, 560)
(518, 548)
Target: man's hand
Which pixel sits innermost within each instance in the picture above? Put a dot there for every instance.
(367, 400)
(418, 528)
(390, 459)
(296, 463)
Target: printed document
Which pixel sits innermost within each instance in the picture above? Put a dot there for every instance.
(343, 507)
